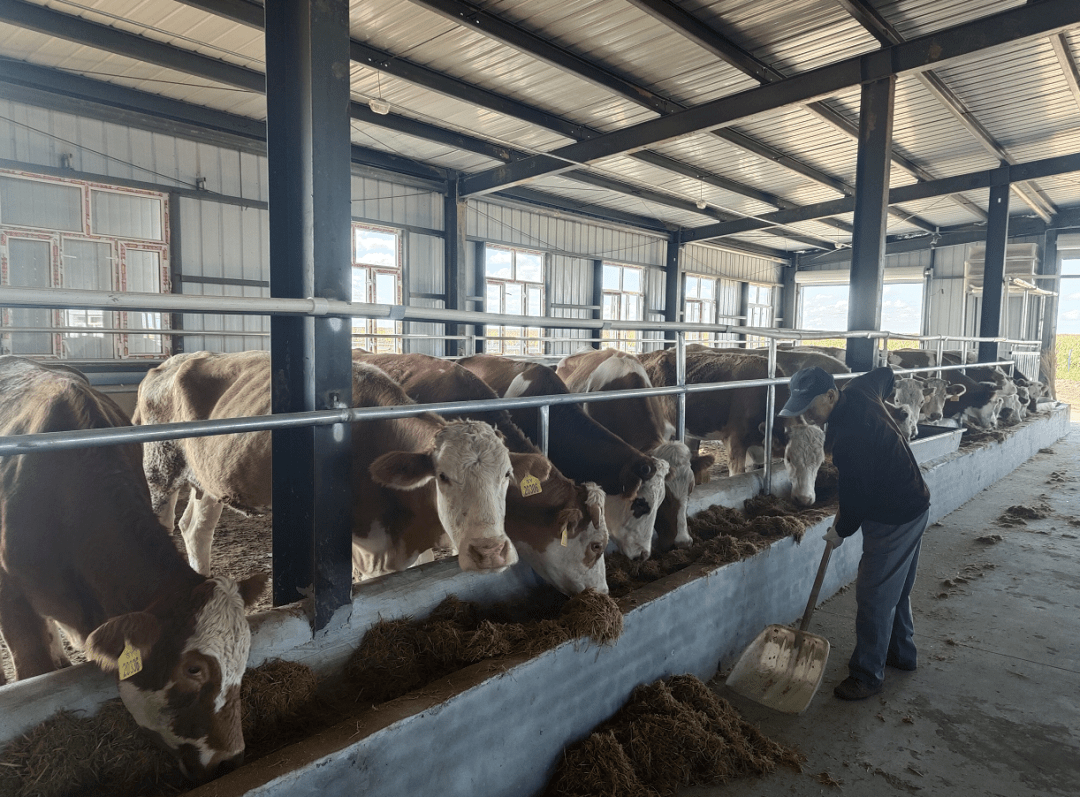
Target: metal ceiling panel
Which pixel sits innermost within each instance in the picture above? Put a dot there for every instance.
(913, 18)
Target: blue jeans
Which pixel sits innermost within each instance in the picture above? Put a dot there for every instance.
(883, 623)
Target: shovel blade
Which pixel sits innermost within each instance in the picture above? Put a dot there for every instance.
(782, 669)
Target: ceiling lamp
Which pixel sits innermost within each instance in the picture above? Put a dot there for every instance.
(379, 106)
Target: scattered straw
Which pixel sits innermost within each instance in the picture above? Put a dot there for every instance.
(399, 656)
(671, 733)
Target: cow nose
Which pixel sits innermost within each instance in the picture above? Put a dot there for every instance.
(804, 499)
(490, 554)
(935, 416)
(227, 765)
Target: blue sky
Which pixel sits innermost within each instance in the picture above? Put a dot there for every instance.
(826, 307)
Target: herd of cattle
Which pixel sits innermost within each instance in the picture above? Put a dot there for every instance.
(95, 558)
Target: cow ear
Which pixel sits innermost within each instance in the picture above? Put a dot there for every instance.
(530, 465)
(402, 470)
(701, 464)
(956, 390)
(252, 587)
(107, 642)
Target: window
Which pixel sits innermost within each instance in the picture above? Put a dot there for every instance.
(376, 279)
(700, 304)
(624, 300)
(514, 285)
(59, 233)
(759, 311)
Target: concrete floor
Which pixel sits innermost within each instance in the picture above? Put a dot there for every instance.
(994, 708)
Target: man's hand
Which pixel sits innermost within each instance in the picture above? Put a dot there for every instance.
(832, 537)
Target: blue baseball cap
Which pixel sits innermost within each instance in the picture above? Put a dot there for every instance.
(807, 385)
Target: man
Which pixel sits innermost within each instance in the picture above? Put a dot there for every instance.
(882, 490)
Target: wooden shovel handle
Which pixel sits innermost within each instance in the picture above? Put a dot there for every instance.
(812, 603)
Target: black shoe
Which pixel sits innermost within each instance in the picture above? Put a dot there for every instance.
(896, 664)
(851, 688)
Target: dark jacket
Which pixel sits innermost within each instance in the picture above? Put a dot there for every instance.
(879, 478)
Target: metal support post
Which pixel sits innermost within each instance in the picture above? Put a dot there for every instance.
(1049, 266)
(673, 282)
(680, 380)
(545, 427)
(455, 260)
(871, 208)
(597, 295)
(307, 92)
(997, 233)
(770, 412)
(940, 355)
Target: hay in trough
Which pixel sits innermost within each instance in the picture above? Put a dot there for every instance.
(70, 754)
(671, 733)
(273, 697)
(109, 755)
(398, 656)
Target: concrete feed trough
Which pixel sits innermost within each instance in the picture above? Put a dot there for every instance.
(500, 732)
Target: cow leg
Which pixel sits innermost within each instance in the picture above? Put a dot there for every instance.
(736, 453)
(32, 640)
(167, 513)
(198, 529)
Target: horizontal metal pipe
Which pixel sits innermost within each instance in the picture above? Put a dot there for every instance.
(90, 438)
(181, 303)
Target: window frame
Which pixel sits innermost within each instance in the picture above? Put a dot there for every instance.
(515, 340)
(366, 332)
(118, 347)
(629, 341)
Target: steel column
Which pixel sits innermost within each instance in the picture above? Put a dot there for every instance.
(1050, 266)
(872, 200)
(789, 297)
(997, 234)
(597, 295)
(455, 259)
(176, 267)
(673, 282)
(307, 74)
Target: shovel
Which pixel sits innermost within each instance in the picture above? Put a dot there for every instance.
(783, 667)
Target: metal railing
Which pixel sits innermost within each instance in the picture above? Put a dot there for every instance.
(32, 297)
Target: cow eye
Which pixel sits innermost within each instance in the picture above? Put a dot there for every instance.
(509, 474)
(194, 670)
(596, 547)
(444, 478)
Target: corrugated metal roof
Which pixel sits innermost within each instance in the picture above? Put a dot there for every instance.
(1019, 94)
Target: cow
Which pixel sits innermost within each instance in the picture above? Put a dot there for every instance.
(82, 549)
(737, 416)
(643, 423)
(791, 360)
(909, 395)
(584, 449)
(976, 406)
(561, 530)
(912, 358)
(410, 475)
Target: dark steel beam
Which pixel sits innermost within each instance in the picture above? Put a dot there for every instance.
(673, 282)
(1068, 65)
(103, 37)
(1049, 266)
(1048, 167)
(455, 215)
(1047, 18)
(868, 243)
(997, 236)
(308, 166)
(871, 20)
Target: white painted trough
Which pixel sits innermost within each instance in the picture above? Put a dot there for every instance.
(498, 728)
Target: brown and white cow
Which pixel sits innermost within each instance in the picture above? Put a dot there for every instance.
(584, 450)
(412, 477)
(560, 531)
(642, 422)
(737, 416)
(81, 548)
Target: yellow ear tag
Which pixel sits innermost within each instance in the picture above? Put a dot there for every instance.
(130, 661)
(530, 485)
(562, 542)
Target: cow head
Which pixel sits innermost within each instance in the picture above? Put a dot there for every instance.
(671, 528)
(935, 393)
(194, 653)
(630, 521)
(472, 470)
(803, 455)
(982, 412)
(905, 418)
(580, 524)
